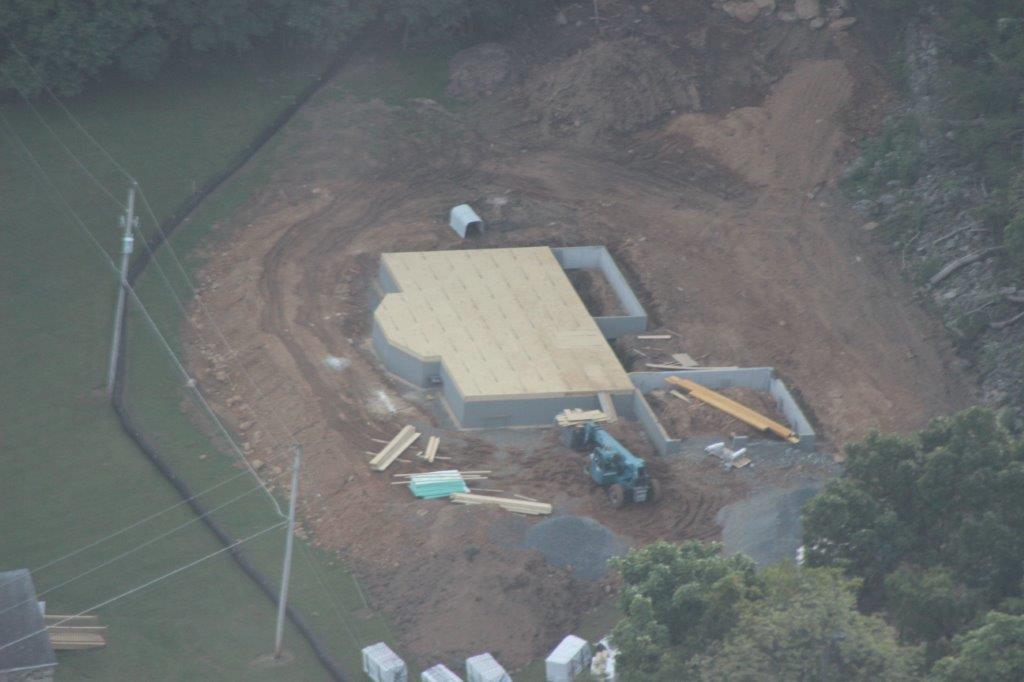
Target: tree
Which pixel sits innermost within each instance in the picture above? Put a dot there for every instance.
(926, 606)
(692, 614)
(931, 524)
(677, 598)
(63, 44)
(993, 652)
(806, 627)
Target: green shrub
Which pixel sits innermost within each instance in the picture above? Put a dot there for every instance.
(893, 155)
(1013, 241)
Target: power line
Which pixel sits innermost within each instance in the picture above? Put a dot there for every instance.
(232, 352)
(281, 423)
(146, 584)
(136, 548)
(156, 223)
(190, 383)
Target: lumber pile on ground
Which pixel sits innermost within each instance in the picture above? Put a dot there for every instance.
(431, 450)
(577, 417)
(735, 409)
(75, 633)
(437, 484)
(506, 503)
(395, 447)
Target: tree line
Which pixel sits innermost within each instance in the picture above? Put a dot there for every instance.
(914, 571)
(66, 44)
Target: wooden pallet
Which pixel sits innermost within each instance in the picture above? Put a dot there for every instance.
(735, 409)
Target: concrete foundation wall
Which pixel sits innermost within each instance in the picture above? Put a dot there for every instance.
(385, 281)
(541, 411)
(794, 415)
(404, 365)
(612, 326)
(758, 378)
(642, 412)
(494, 414)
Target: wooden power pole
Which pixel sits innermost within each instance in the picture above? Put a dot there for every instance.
(282, 600)
(128, 222)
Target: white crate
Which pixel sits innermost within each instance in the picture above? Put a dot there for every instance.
(382, 664)
(439, 673)
(569, 659)
(484, 668)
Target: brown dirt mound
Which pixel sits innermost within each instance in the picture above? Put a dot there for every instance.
(618, 86)
(476, 71)
(694, 418)
(791, 140)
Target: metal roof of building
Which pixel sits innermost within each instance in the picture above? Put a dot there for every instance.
(505, 323)
(20, 617)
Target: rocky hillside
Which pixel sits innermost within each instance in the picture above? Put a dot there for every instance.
(941, 183)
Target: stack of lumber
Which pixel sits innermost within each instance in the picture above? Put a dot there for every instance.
(506, 503)
(735, 409)
(436, 484)
(578, 417)
(431, 450)
(396, 446)
(75, 633)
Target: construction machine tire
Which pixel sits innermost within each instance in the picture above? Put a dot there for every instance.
(616, 495)
(654, 494)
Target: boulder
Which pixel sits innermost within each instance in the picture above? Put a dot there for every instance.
(842, 24)
(478, 70)
(807, 9)
(816, 23)
(742, 10)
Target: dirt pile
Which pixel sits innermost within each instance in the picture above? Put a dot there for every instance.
(790, 140)
(617, 86)
(476, 71)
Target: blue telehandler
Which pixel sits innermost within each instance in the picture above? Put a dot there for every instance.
(612, 466)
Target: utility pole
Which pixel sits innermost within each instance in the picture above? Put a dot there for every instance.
(129, 222)
(282, 601)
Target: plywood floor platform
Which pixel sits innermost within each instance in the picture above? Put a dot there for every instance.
(505, 322)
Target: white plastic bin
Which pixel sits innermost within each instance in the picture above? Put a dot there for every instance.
(484, 668)
(382, 664)
(439, 673)
(570, 658)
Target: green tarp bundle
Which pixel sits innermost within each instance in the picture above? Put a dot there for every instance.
(437, 484)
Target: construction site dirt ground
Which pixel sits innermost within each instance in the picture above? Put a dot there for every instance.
(725, 219)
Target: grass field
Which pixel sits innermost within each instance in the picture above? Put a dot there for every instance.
(69, 476)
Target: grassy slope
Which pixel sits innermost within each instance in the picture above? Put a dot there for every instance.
(69, 476)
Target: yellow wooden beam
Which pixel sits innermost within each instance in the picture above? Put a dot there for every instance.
(734, 409)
